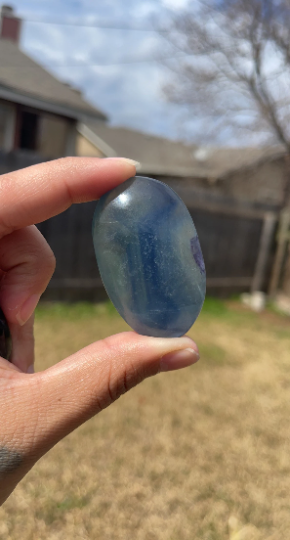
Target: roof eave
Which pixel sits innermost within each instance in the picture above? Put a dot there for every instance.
(60, 109)
(255, 163)
(181, 172)
(152, 169)
(94, 139)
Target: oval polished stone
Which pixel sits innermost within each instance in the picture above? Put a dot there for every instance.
(149, 257)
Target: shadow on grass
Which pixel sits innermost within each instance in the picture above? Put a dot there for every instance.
(231, 312)
(54, 511)
(75, 311)
(227, 311)
(213, 355)
(212, 307)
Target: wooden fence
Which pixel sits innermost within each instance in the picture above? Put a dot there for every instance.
(236, 251)
(17, 159)
(238, 242)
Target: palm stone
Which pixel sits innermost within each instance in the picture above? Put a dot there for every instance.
(149, 257)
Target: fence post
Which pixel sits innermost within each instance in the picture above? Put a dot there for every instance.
(282, 241)
(263, 254)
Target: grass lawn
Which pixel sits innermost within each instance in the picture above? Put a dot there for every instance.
(203, 453)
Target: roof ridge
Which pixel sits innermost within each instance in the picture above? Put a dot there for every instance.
(32, 79)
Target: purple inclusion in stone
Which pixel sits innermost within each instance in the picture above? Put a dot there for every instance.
(197, 254)
(149, 257)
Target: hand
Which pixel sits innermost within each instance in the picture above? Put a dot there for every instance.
(37, 410)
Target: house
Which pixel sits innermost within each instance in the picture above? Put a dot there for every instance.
(41, 116)
(38, 113)
(235, 195)
(242, 177)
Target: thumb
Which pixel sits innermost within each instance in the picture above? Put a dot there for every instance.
(77, 388)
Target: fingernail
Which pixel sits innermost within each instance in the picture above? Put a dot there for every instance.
(178, 359)
(136, 164)
(27, 309)
(31, 369)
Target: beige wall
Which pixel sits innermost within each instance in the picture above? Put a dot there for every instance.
(262, 184)
(86, 148)
(7, 125)
(56, 135)
(53, 134)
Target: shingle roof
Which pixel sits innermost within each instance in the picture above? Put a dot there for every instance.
(25, 81)
(162, 156)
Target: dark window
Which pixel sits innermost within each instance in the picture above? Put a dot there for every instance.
(28, 130)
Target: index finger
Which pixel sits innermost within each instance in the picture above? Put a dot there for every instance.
(42, 191)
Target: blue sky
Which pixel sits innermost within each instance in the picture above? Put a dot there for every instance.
(129, 92)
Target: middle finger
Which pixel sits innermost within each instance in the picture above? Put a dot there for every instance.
(28, 264)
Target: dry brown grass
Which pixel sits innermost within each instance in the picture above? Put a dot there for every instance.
(197, 454)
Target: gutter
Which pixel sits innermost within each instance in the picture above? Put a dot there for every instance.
(10, 94)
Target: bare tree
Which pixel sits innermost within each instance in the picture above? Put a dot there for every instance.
(234, 70)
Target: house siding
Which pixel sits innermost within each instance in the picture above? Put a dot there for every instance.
(85, 148)
(56, 134)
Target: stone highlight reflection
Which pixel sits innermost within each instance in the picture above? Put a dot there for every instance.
(149, 257)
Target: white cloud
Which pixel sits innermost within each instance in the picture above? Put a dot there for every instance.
(175, 4)
(145, 9)
(129, 93)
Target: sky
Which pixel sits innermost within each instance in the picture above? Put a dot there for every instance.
(118, 70)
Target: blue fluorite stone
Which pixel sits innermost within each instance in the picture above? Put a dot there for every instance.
(149, 257)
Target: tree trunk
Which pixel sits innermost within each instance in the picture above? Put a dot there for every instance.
(264, 250)
(280, 252)
(282, 240)
(286, 277)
